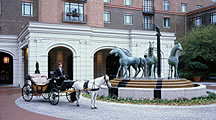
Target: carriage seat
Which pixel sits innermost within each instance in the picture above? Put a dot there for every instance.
(39, 79)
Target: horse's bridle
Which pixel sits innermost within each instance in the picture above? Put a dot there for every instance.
(106, 81)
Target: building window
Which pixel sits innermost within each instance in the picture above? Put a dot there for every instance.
(27, 9)
(198, 21)
(147, 23)
(128, 19)
(167, 22)
(184, 7)
(147, 6)
(166, 5)
(128, 2)
(107, 16)
(106, 1)
(74, 11)
(213, 18)
(198, 6)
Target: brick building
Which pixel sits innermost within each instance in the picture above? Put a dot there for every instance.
(202, 16)
(74, 32)
(117, 14)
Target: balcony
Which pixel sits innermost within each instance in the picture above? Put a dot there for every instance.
(74, 18)
(148, 10)
(148, 27)
(77, 1)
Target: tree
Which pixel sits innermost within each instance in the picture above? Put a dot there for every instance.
(200, 45)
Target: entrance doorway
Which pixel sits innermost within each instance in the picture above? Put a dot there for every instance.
(6, 68)
(104, 63)
(60, 55)
(112, 65)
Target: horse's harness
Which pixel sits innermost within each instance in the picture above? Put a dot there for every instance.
(85, 86)
(106, 81)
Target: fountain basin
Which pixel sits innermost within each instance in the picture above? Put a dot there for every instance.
(150, 89)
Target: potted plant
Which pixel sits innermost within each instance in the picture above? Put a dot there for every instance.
(69, 14)
(196, 68)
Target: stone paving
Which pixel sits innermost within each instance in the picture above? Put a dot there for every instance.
(115, 111)
(11, 105)
(10, 111)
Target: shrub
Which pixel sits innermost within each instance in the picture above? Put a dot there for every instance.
(196, 68)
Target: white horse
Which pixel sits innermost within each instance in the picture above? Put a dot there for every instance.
(92, 87)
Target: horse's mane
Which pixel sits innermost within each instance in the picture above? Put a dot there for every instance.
(127, 52)
(174, 51)
(98, 78)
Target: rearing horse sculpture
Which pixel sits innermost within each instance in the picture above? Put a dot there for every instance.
(173, 60)
(151, 60)
(125, 61)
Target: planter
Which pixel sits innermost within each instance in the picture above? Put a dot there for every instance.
(196, 78)
(69, 14)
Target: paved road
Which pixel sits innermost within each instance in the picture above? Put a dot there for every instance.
(114, 111)
(10, 111)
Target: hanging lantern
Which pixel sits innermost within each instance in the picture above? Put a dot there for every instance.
(6, 60)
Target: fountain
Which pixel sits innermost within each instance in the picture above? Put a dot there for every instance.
(149, 86)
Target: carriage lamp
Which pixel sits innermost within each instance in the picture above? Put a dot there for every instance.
(6, 60)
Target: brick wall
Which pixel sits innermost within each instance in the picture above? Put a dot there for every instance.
(95, 12)
(175, 5)
(177, 24)
(204, 13)
(117, 19)
(120, 3)
(50, 11)
(12, 20)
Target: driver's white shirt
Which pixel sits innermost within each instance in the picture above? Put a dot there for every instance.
(60, 70)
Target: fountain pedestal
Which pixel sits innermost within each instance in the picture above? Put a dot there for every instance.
(154, 88)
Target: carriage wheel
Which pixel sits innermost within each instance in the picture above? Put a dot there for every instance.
(27, 92)
(71, 96)
(46, 96)
(54, 96)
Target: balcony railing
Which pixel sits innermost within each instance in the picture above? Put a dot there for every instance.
(148, 10)
(147, 26)
(71, 17)
(78, 1)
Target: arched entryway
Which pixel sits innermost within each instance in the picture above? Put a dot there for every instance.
(6, 68)
(104, 63)
(63, 55)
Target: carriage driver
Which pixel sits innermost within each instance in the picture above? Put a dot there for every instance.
(60, 74)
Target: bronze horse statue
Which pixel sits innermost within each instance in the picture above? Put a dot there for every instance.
(151, 61)
(173, 60)
(125, 61)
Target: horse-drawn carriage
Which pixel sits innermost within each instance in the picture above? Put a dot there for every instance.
(39, 85)
(49, 89)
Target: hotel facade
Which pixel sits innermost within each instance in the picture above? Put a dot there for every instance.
(80, 33)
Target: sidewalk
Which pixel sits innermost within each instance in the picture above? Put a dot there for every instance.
(10, 111)
(206, 83)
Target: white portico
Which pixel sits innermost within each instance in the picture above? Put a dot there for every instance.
(84, 50)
